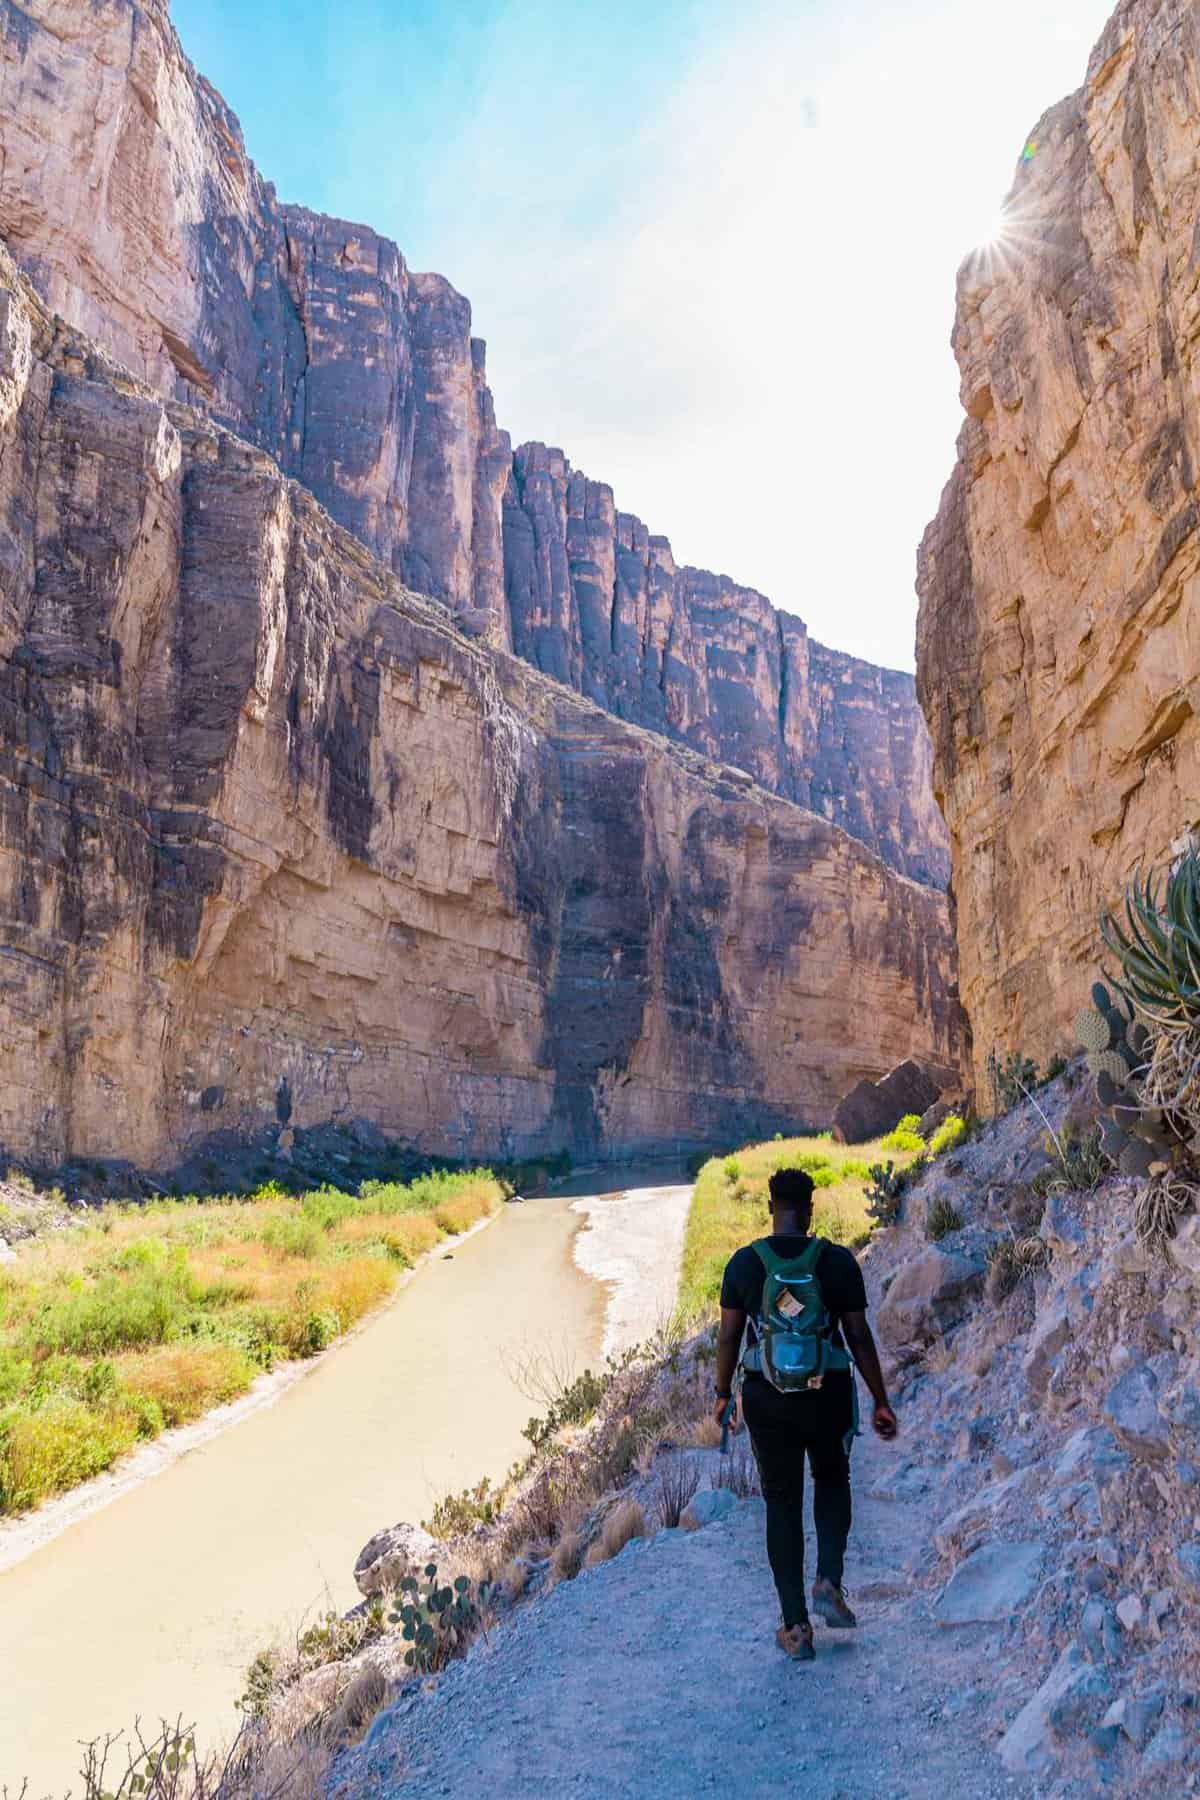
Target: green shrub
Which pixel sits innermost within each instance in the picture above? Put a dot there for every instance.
(813, 1162)
(1011, 1080)
(454, 1515)
(327, 1207)
(117, 1311)
(905, 1137)
(1079, 1164)
(575, 1405)
(732, 1168)
(291, 1236)
(949, 1134)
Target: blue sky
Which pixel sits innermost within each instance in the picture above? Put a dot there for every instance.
(712, 248)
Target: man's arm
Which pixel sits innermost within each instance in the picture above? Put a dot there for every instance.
(862, 1349)
(729, 1342)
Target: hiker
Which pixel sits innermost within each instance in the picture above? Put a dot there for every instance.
(795, 1302)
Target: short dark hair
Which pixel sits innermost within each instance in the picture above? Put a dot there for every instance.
(791, 1187)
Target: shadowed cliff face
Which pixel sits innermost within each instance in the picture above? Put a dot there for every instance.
(311, 338)
(1057, 641)
(279, 845)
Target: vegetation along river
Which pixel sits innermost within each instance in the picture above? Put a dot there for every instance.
(155, 1604)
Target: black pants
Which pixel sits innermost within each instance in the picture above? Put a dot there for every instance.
(784, 1428)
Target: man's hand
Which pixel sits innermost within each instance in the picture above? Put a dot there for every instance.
(735, 1417)
(884, 1421)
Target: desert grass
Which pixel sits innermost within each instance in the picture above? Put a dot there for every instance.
(730, 1206)
(566, 1559)
(625, 1522)
(677, 1483)
(151, 1314)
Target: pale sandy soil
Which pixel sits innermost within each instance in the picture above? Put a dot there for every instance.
(633, 1243)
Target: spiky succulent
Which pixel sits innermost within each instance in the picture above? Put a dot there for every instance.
(1158, 946)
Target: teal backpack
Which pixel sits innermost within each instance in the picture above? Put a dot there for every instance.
(792, 1337)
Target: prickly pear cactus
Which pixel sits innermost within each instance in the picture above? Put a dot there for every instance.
(1093, 1030)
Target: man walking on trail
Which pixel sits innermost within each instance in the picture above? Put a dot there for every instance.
(804, 1302)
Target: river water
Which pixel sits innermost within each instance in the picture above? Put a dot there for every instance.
(155, 1605)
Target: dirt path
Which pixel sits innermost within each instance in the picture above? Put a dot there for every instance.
(656, 1675)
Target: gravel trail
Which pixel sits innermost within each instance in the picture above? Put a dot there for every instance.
(657, 1675)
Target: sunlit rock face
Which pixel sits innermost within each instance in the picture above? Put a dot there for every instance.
(127, 196)
(280, 844)
(1059, 634)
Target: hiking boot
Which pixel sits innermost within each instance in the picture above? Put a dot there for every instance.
(829, 1603)
(796, 1641)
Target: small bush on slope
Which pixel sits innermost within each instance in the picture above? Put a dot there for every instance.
(905, 1136)
(949, 1134)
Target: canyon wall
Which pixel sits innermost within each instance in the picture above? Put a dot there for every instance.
(1059, 632)
(127, 195)
(279, 844)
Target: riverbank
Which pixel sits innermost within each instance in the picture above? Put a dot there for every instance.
(22, 1536)
(158, 1604)
(149, 1316)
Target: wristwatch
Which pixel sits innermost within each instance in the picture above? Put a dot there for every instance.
(723, 1394)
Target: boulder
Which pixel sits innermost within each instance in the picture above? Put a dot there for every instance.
(390, 1555)
(936, 1115)
(1137, 1715)
(874, 1107)
(1050, 1334)
(1185, 1247)
(708, 1506)
(1168, 1746)
(931, 1293)
(990, 1585)
(1069, 1703)
(1131, 1408)
(1187, 1567)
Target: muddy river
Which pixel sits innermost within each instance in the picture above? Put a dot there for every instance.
(155, 1604)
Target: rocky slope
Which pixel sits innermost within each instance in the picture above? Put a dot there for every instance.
(127, 195)
(1025, 1558)
(280, 845)
(1053, 1437)
(1057, 638)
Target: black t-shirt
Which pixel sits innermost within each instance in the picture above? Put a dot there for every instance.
(842, 1287)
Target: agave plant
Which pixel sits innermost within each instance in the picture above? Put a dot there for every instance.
(1158, 947)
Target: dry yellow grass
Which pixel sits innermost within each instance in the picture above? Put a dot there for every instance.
(566, 1559)
(625, 1522)
(186, 1380)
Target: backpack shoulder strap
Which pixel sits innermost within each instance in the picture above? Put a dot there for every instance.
(811, 1255)
(804, 1264)
(767, 1257)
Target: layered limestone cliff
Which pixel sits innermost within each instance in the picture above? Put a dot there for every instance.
(279, 844)
(1059, 633)
(127, 195)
